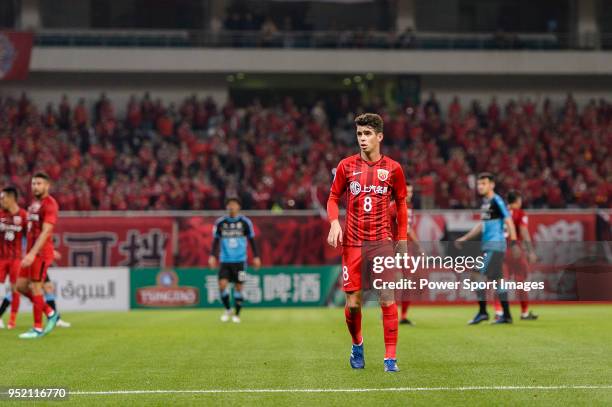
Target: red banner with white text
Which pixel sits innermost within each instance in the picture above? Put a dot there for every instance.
(114, 241)
(282, 240)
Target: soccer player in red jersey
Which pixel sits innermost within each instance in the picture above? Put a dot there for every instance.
(12, 223)
(518, 267)
(370, 181)
(42, 217)
(412, 237)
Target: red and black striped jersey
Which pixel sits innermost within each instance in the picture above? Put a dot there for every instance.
(11, 234)
(369, 187)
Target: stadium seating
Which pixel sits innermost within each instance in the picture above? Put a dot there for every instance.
(160, 157)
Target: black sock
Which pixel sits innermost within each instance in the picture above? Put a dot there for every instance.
(225, 299)
(506, 308)
(5, 303)
(503, 300)
(52, 304)
(237, 302)
(483, 307)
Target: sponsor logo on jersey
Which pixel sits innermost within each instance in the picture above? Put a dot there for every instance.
(355, 188)
(383, 175)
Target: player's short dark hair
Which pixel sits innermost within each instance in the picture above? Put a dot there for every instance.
(42, 175)
(371, 120)
(486, 175)
(11, 191)
(408, 183)
(233, 199)
(513, 196)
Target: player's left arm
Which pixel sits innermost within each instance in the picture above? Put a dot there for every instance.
(251, 239)
(399, 195)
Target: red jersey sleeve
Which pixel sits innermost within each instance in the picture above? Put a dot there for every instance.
(337, 189)
(51, 210)
(524, 220)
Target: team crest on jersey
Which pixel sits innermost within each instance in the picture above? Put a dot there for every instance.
(355, 188)
(35, 207)
(382, 174)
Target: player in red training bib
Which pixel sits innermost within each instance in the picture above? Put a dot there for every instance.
(370, 181)
(42, 217)
(12, 225)
(518, 267)
(412, 237)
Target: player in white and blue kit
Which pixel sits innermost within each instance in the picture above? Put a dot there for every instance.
(494, 217)
(232, 234)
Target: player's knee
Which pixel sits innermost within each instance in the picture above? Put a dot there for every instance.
(22, 286)
(386, 302)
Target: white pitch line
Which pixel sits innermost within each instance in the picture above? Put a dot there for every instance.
(365, 390)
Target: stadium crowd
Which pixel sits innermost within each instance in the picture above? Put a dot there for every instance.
(193, 155)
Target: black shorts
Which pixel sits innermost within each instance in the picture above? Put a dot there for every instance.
(234, 272)
(493, 264)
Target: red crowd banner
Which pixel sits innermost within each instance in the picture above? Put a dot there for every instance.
(114, 241)
(15, 52)
(283, 240)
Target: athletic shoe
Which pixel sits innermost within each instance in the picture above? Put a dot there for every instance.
(236, 319)
(226, 316)
(502, 320)
(478, 319)
(529, 317)
(63, 324)
(391, 365)
(51, 322)
(406, 321)
(31, 334)
(357, 360)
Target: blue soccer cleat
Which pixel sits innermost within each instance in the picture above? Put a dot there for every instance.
(357, 360)
(51, 322)
(502, 320)
(31, 334)
(478, 319)
(391, 365)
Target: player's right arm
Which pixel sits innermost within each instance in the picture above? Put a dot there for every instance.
(476, 230)
(334, 238)
(526, 238)
(212, 259)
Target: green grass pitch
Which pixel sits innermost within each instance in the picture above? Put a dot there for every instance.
(308, 349)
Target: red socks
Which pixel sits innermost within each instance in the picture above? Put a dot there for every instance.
(390, 325)
(38, 307)
(38, 303)
(405, 305)
(353, 322)
(15, 305)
